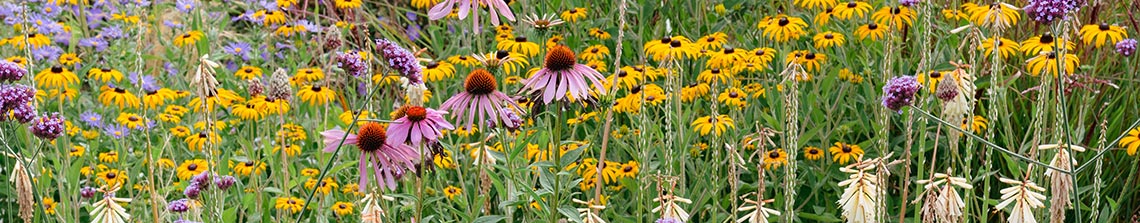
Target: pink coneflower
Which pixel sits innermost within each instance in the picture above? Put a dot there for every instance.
(480, 97)
(417, 125)
(496, 7)
(563, 74)
(389, 161)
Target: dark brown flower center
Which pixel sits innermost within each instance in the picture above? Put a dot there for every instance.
(828, 36)
(502, 54)
(316, 88)
(810, 56)
(480, 82)
(733, 94)
(371, 137)
(573, 11)
(935, 74)
(813, 151)
(120, 90)
(1046, 39)
(186, 36)
(622, 73)
(520, 39)
(111, 175)
(896, 10)
(433, 65)
(249, 163)
(846, 149)
(133, 118)
(675, 43)
(873, 26)
(729, 50)
(192, 167)
(342, 206)
(248, 70)
(851, 4)
(666, 40)
(1104, 27)
(560, 58)
(56, 69)
(783, 21)
(774, 155)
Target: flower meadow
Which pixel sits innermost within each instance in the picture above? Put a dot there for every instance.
(569, 111)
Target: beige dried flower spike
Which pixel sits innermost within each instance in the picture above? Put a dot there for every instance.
(109, 210)
(1061, 184)
(203, 79)
(372, 212)
(23, 190)
(1024, 195)
(589, 214)
(759, 213)
(946, 204)
(669, 207)
(860, 198)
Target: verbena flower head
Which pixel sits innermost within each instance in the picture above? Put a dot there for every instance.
(87, 192)
(23, 113)
(10, 71)
(909, 3)
(418, 125)
(899, 92)
(495, 7)
(389, 162)
(192, 191)
(352, 63)
(561, 75)
(400, 59)
(1126, 47)
(1045, 11)
(178, 206)
(12, 96)
(480, 98)
(224, 182)
(47, 127)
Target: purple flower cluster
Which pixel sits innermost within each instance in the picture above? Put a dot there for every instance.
(401, 60)
(201, 182)
(192, 191)
(47, 127)
(87, 192)
(1126, 47)
(908, 3)
(899, 92)
(15, 99)
(224, 182)
(352, 63)
(178, 206)
(10, 71)
(1045, 11)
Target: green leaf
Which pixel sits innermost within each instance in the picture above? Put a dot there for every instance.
(489, 219)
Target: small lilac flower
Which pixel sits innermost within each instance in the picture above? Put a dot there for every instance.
(908, 3)
(185, 221)
(178, 206)
(668, 220)
(309, 26)
(49, 53)
(87, 192)
(899, 92)
(172, 24)
(24, 113)
(184, 5)
(10, 71)
(112, 32)
(352, 63)
(94, 42)
(1126, 47)
(238, 49)
(224, 182)
(63, 38)
(171, 70)
(92, 119)
(269, 5)
(413, 32)
(8, 10)
(148, 82)
(116, 131)
(50, 10)
(47, 127)
(202, 179)
(400, 59)
(16, 94)
(513, 121)
(192, 191)
(1045, 11)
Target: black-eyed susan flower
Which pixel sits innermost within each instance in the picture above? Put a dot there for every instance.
(423, 4)
(341, 208)
(574, 14)
(216, 125)
(198, 141)
(1006, 47)
(191, 168)
(175, 110)
(674, 48)
(694, 91)
(69, 59)
(554, 41)
(1047, 62)
(895, 17)
(326, 186)
(1131, 141)
(852, 77)
(775, 158)
(18, 60)
(290, 205)
(316, 95)
(812, 4)
(248, 72)
(931, 79)
(519, 45)
(131, 120)
(65, 94)
(273, 17)
(348, 4)
(112, 177)
(719, 124)
(309, 74)
(504, 29)
(1043, 42)
(813, 153)
(269, 106)
(809, 60)
(851, 8)
(76, 151)
(246, 111)
(188, 38)
(508, 61)
(597, 65)
(56, 77)
(463, 60)
(109, 157)
(997, 14)
(843, 152)
(716, 75)
(828, 39)
(627, 78)
(118, 97)
(725, 58)
(599, 34)
(438, 70)
(451, 192)
(1099, 35)
(824, 17)
(180, 131)
(169, 118)
(105, 74)
(595, 52)
(782, 28)
(444, 160)
(712, 41)
(977, 124)
(291, 150)
(954, 14)
(871, 30)
(755, 89)
(733, 97)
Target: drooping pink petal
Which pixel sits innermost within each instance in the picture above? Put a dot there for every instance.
(441, 10)
(464, 8)
(364, 160)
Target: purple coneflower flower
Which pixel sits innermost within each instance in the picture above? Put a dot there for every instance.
(92, 119)
(562, 74)
(402, 60)
(480, 97)
(10, 71)
(1126, 47)
(899, 92)
(418, 125)
(389, 161)
(495, 7)
(47, 127)
(1045, 11)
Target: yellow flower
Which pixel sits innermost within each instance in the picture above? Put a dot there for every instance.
(599, 33)
(1005, 47)
(1131, 141)
(326, 186)
(976, 124)
(289, 204)
(76, 151)
(189, 38)
(246, 111)
(109, 157)
(775, 158)
(733, 97)
(438, 70)
(170, 118)
(782, 28)
(676, 48)
(519, 45)
(190, 168)
(714, 41)
(18, 60)
(574, 14)
(1043, 42)
(813, 153)
(341, 208)
(954, 14)
(451, 192)
(846, 75)
(823, 18)
(466, 61)
(843, 152)
(348, 4)
(105, 74)
(175, 110)
(119, 97)
(553, 41)
(1098, 35)
(694, 91)
(247, 168)
(248, 72)
(996, 14)
(809, 60)
(270, 18)
(1047, 62)
(165, 163)
(112, 177)
(49, 206)
(131, 120)
(69, 59)
(595, 52)
(198, 141)
(180, 131)
(630, 169)
(310, 172)
(716, 75)
(55, 77)
(812, 4)
(316, 95)
(718, 124)
(828, 39)
(291, 150)
(851, 8)
(895, 17)
(871, 30)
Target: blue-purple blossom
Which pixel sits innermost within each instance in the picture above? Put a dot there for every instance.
(24, 113)
(50, 10)
(172, 24)
(112, 32)
(401, 59)
(10, 71)
(352, 63)
(14, 95)
(50, 53)
(192, 191)
(87, 192)
(202, 179)
(178, 206)
(47, 127)
(185, 221)
(94, 42)
(899, 92)
(224, 182)
(309, 26)
(92, 119)
(116, 131)
(908, 3)
(413, 32)
(668, 220)
(238, 49)
(1126, 47)
(1045, 11)
(148, 82)
(184, 5)
(171, 70)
